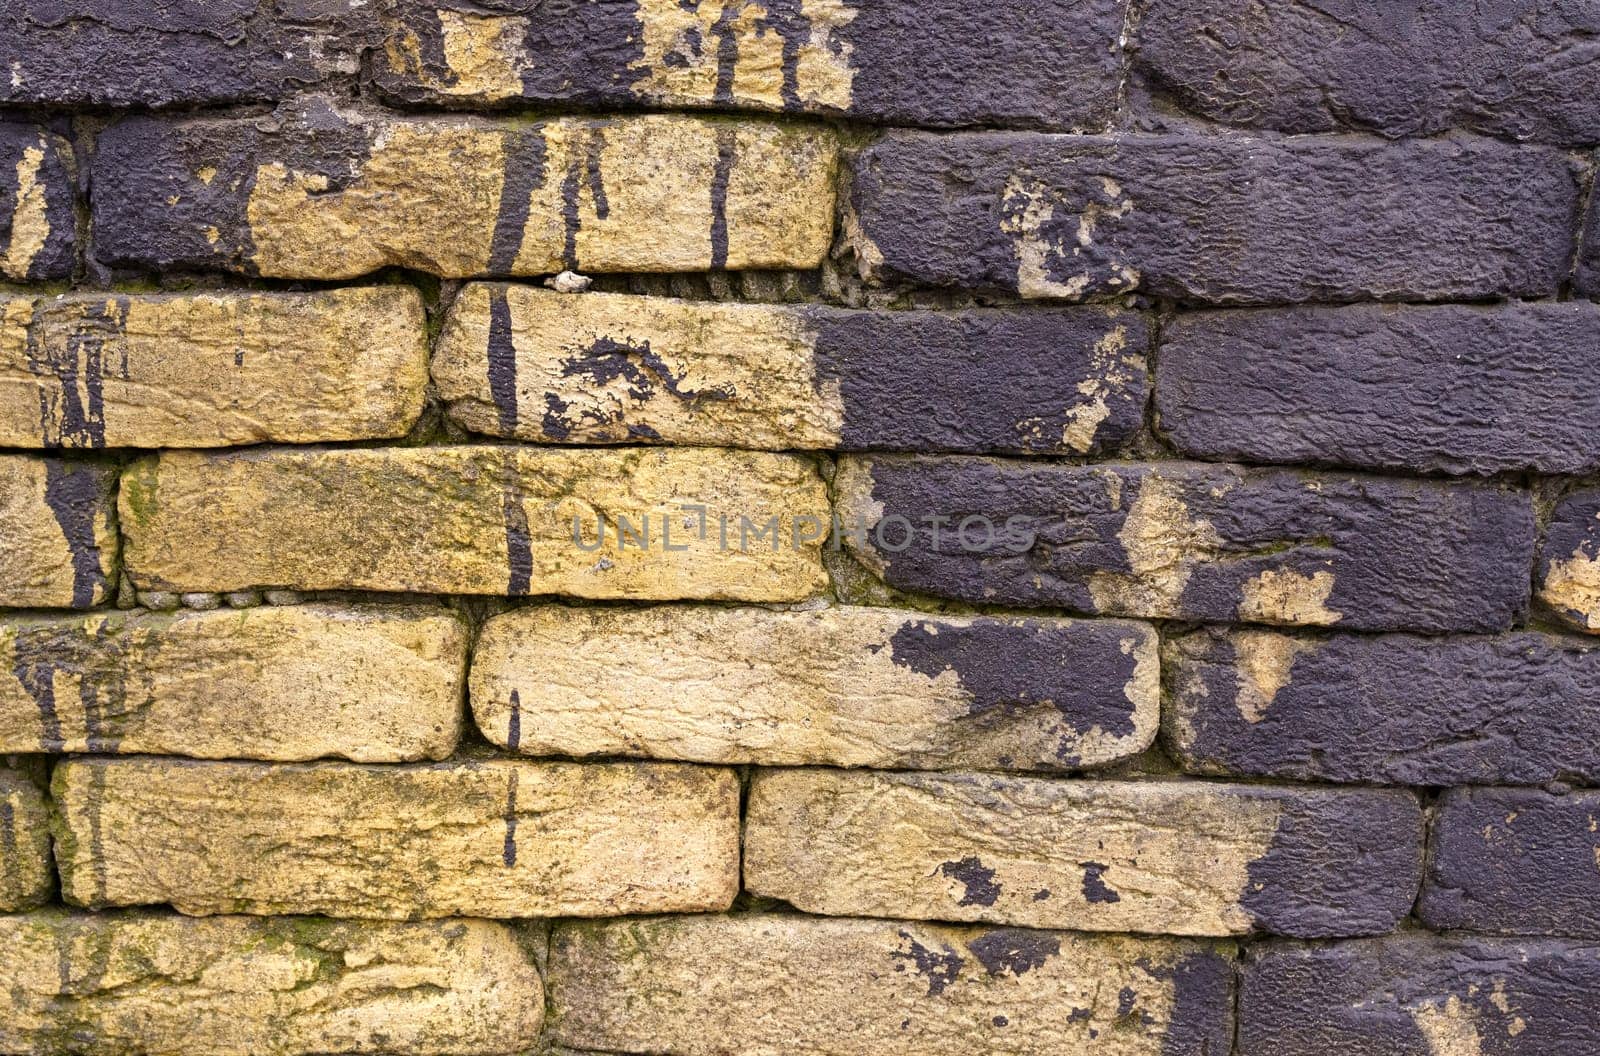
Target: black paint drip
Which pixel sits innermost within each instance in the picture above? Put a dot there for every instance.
(74, 493)
(502, 361)
(72, 413)
(509, 853)
(727, 148)
(523, 171)
(519, 548)
(639, 366)
(583, 171)
(514, 734)
(783, 17)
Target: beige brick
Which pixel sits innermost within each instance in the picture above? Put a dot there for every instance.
(211, 369)
(59, 534)
(843, 686)
(163, 985)
(481, 838)
(1147, 856)
(373, 684)
(27, 877)
(788, 985)
(475, 520)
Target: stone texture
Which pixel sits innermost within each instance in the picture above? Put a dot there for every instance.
(478, 520)
(1144, 856)
(1191, 541)
(58, 522)
(1029, 63)
(1452, 388)
(37, 226)
(785, 985)
(1586, 281)
(1515, 861)
(176, 52)
(1421, 995)
(27, 875)
(1228, 220)
(480, 838)
(164, 985)
(211, 369)
(1569, 562)
(617, 368)
(369, 683)
(1514, 68)
(321, 193)
(1505, 709)
(841, 686)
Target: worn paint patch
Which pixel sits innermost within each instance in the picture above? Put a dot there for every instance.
(1162, 543)
(30, 221)
(1265, 662)
(1283, 595)
(1573, 585)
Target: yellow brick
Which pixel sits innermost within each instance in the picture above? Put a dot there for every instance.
(27, 877)
(59, 535)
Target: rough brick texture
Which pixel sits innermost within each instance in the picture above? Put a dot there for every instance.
(58, 522)
(27, 874)
(1569, 563)
(37, 227)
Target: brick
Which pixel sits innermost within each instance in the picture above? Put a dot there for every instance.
(1421, 995)
(27, 875)
(616, 368)
(1229, 220)
(1449, 388)
(320, 193)
(1515, 861)
(478, 838)
(164, 985)
(1519, 70)
(517, 520)
(1030, 63)
(1191, 541)
(789, 984)
(1400, 709)
(1145, 856)
(211, 370)
(1586, 281)
(1569, 561)
(58, 522)
(37, 225)
(839, 686)
(369, 683)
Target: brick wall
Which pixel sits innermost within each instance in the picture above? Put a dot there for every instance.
(770, 527)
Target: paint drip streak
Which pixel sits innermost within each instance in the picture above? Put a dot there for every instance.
(519, 548)
(502, 361)
(73, 494)
(514, 736)
(509, 853)
(727, 146)
(583, 172)
(523, 171)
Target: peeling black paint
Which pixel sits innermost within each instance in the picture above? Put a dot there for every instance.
(640, 368)
(939, 968)
(53, 260)
(72, 410)
(1095, 889)
(94, 659)
(1014, 950)
(77, 494)
(981, 890)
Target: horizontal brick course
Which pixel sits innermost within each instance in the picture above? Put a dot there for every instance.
(785, 985)
(1184, 859)
(842, 686)
(162, 984)
(1196, 542)
(1515, 709)
(475, 520)
(369, 683)
(212, 369)
(57, 519)
(489, 838)
(1452, 388)
(1569, 561)
(321, 193)
(37, 226)
(27, 874)
(615, 368)
(1221, 220)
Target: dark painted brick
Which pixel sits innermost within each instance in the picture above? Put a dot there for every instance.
(1569, 562)
(1452, 388)
(1198, 542)
(36, 212)
(1421, 995)
(1227, 220)
(1587, 280)
(1516, 861)
(1526, 69)
(165, 52)
(1513, 709)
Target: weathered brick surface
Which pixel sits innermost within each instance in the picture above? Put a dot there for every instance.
(27, 874)
(320, 193)
(164, 985)
(1587, 277)
(1421, 995)
(1569, 562)
(58, 526)
(476, 520)
(37, 228)
(616, 368)
(210, 370)
(1520, 70)
(1215, 219)
(1196, 542)
(1515, 861)
(1450, 388)
(489, 838)
(1397, 708)
(1183, 859)
(841, 686)
(786, 984)
(373, 684)
(1030, 63)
